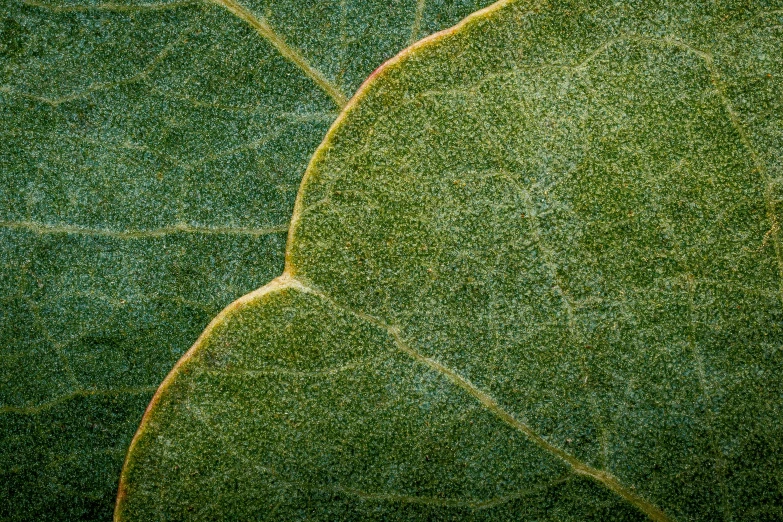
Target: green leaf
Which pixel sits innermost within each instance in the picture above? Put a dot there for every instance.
(151, 153)
(534, 273)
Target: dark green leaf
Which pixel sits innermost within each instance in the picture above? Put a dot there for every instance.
(150, 157)
(534, 273)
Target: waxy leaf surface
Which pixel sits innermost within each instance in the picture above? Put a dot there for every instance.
(534, 273)
(151, 153)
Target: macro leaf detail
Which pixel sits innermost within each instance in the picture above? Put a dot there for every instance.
(151, 154)
(534, 272)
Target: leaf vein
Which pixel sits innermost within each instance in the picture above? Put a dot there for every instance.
(100, 86)
(581, 468)
(698, 361)
(61, 355)
(48, 228)
(423, 500)
(416, 26)
(109, 6)
(114, 392)
(291, 54)
(271, 372)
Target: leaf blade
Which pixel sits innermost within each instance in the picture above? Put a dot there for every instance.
(151, 154)
(572, 225)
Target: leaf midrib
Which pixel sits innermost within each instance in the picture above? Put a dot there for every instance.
(579, 467)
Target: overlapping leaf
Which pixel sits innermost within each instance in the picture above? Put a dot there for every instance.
(534, 273)
(150, 156)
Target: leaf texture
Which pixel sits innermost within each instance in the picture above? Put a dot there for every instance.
(151, 153)
(534, 272)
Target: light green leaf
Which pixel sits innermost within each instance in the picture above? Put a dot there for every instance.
(151, 153)
(534, 273)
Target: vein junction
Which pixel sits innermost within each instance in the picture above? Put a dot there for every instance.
(291, 54)
(260, 24)
(578, 467)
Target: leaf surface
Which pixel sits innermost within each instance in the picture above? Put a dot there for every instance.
(534, 273)
(151, 153)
